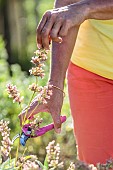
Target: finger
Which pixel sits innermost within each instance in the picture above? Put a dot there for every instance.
(36, 108)
(32, 110)
(45, 33)
(58, 40)
(57, 122)
(40, 27)
(55, 30)
(27, 115)
(64, 29)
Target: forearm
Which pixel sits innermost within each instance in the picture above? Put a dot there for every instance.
(61, 54)
(65, 22)
(97, 9)
(100, 9)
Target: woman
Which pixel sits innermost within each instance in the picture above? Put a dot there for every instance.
(90, 73)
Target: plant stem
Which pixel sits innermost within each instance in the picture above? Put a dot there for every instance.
(17, 151)
(36, 80)
(30, 101)
(33, 110)
(24, 151)
(28, 106)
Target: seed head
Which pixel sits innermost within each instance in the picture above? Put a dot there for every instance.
(6, 142)
(44, 94)
(42, 54)
(38, 61)
(14, 93)
(53, 155)
(29, 164)
(37, 71)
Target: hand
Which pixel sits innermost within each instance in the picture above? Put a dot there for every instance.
(56, 23)
(53, 106)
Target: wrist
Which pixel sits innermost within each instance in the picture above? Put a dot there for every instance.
(83, 10)
(57, 83)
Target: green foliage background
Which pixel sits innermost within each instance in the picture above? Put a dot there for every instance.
(9, 111)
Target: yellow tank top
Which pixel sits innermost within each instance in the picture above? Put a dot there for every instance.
(94, 47)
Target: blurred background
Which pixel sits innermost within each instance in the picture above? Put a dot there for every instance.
(18, 22)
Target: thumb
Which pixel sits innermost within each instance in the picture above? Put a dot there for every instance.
(57, 122)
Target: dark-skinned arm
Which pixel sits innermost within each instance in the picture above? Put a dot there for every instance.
(100, 9)
(64, 22)
(57, 22)
(57, 76)
(61, 53)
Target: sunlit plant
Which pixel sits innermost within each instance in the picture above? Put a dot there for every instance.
(42, 95)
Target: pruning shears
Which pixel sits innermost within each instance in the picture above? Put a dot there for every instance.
(27, 131)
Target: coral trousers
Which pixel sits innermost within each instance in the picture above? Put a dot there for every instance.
(91, 103)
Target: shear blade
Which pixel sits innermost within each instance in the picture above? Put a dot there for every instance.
(15, 137)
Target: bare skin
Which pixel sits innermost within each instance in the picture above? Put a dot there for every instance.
(64, 22)
(56, 23)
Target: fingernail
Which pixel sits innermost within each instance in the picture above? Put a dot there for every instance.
(58, 130)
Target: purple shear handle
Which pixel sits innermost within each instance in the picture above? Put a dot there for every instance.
(40, 131)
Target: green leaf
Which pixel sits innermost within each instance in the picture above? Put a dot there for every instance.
(46, 167)
(39, 163)
(9, 164)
